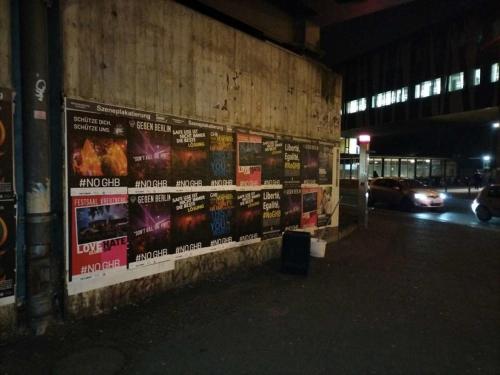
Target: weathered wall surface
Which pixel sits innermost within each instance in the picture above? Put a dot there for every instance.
(5, 45)
(7, 313)
(159, 56)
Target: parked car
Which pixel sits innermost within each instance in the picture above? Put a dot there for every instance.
(405, 193)
(487, 203)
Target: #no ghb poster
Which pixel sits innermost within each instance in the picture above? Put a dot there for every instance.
(149, 229)
(99, 235)
(272, 161)
(97, 150)
(249, 159)
(221, 217)
(291, 206)
(309, 155)
(191, 223)
(325, 164)
(7, 248)
(149, 154)
(309, 217)
(326, 205)
(271, 213)
(6, 150)
(291, 157)
(222, 167)
(190, 163)
(248, 215)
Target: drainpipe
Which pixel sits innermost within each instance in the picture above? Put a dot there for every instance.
(36, 146)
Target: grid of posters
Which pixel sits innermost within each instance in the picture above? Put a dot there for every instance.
(7, 201)
(145, 189)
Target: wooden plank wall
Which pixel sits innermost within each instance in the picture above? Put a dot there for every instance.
(5, 44)
(160, 56)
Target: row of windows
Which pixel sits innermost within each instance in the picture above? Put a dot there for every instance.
(422, 90)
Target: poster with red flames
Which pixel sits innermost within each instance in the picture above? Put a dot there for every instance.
(99, 229)
(191, 222)
(249, 159)
(97, 150)
(309, 155)
(6, 149)
(149, 155)
(7, 250)
(190, 163)
(149, 229)
(309, 217)
(248, 220)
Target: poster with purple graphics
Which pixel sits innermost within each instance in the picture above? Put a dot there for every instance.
(272, 161)
(149, 229)
(309, 155)
(149, 155)
(292, 207)
(190, 162)
(221, 217)
(248, 218)
(222, 167)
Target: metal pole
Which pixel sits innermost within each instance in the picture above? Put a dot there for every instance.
(36, 139)
(363, 184)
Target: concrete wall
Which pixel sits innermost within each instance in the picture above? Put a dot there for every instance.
(7, 313)
(159, 56)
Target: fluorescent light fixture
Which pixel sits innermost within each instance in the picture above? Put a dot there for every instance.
(486, 157)
(364, 138)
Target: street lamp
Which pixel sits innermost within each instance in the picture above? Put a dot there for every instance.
(364, 146)
(486, 161)
(495, 125)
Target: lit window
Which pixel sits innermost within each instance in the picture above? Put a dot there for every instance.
(417, 91)
(428, 88)
(356, 105)
(436, 86)
(495, 72)
(361, 104)
(477, 77)
(404, 94)
(390, 97)
(456, 82)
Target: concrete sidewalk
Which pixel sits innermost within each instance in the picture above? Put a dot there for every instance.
(405, 296)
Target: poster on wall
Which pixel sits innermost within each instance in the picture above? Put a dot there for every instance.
(6, 148)
(7, 249)
(149, 229)
(292, 162)
(326, 205)
(149, 155)
(191, 223)
(221, 217)
(249, 159)
(272, 161)
(291, 206)
(190, 163)
(222, 167)
(271, 213)
(97, 150)
(309, 155)
(248, 215)
(99, 235)
(309, 217)
(325, 164)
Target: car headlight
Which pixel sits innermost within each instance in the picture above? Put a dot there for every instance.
(443, 196)
(420, 196)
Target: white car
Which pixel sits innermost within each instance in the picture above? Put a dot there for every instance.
(487, 203)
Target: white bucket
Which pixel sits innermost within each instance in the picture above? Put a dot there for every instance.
(318, 248)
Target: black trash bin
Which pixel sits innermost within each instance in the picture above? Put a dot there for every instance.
(295, 252)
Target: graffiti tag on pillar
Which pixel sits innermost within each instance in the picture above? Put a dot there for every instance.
(40, 87)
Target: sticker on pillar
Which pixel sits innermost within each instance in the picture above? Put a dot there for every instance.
(190, 164)
(99, 232)
(97, 150)
(191, 224)
(309, 217)
(249, 159)
(149, 230)
(292, 197)
(309, 155)
(221, 158)
(272, 162)
(149, 155)
(291, 174)
(6, 149)
(221, 217)
(248, 218)
(271, 213)
(325, 164)
(326, 206)
(7, 249)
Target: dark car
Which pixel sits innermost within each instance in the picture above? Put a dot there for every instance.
(404, 193)
(487, 203)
